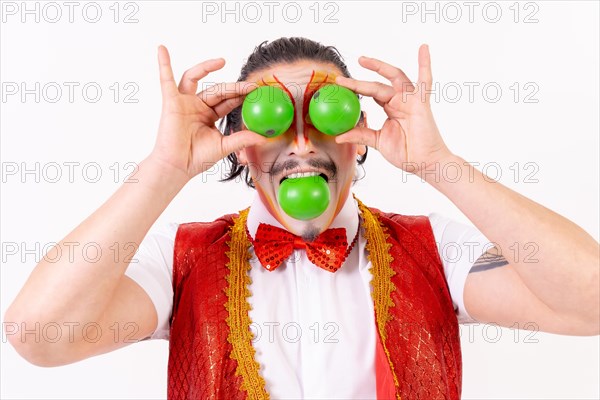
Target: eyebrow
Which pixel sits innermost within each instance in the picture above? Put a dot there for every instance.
(312, 86)
(317, 79)
(286, 90)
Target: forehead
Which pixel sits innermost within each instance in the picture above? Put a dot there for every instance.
(298, 77)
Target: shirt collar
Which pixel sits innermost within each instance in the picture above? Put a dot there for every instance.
(347, 217)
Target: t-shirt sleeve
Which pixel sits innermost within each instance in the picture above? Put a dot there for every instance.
(459, 246)
(152, 269)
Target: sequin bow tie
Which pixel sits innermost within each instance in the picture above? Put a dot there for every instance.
(273, 245)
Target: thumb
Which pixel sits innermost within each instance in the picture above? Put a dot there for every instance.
(360, 135)
(241, 139)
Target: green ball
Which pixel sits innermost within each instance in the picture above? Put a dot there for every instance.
(304, 198)
(268, 111)
(334, 109)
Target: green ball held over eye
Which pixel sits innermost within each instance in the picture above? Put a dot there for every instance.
(304, 198)
(334, 109)
(268, 111)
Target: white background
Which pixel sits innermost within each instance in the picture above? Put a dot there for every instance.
(558, 134)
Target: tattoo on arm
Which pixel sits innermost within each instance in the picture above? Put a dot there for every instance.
(489, 260)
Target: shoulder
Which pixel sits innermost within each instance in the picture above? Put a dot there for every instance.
(409, 224)
(413, 233)
(449, 230)
(197, 242)
(205, 232)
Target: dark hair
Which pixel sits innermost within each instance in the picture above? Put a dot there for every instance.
(283, 50)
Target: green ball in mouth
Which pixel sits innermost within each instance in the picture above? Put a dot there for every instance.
(304, 198)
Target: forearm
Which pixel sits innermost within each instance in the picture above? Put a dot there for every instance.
(75, 286)
(557, 260)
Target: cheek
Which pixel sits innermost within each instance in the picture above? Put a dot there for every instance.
(347, 163)
(347, 156)
(260, 159)
(255, 159)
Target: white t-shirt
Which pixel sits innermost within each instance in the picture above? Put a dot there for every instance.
(308, 323)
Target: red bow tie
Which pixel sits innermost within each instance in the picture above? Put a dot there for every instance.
(273, 245)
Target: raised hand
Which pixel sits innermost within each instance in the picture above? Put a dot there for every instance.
(409, 137)
(188, 139)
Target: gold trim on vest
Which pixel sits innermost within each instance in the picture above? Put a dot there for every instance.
(237, 292)
(382, 272)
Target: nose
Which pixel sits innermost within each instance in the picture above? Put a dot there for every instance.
(302, 142)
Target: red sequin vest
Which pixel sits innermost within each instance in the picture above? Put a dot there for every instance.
(419, 357)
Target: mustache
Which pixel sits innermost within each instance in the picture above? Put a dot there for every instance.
(326, 165)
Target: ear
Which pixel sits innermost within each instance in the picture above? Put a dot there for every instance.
(362, 122)
(242, 157)
(362, 149)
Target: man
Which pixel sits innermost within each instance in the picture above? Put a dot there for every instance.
(391, 301)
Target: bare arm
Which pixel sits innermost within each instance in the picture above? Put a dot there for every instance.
(76, 291)
(558, 289)
(561, 292)
(73, 292)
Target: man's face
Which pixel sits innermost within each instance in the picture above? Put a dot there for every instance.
(301, 148)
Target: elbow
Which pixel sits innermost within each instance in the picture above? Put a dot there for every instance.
(30, 341)
(34, 354)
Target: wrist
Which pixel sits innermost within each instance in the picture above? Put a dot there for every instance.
(160, 175)
(445, 170)
(429, 169)
(165, 169)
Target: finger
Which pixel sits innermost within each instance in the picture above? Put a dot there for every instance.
(241, 139)
(190, 78)
(217, 93)
(395, 75)
(360, 135)
(380, 92)
(425, 76)
(226, 106)
(396, 110)
(168, 86)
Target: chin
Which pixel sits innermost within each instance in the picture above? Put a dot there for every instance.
(308, 229)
